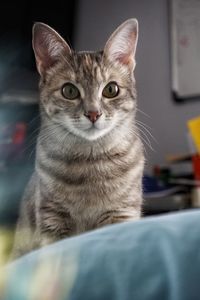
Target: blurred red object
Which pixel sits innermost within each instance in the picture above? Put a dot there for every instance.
(19, 133)
(12, 140)
(196, 166)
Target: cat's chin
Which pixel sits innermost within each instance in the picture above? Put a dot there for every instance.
(91, 134)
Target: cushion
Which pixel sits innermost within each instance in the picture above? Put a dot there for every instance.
(154, 258)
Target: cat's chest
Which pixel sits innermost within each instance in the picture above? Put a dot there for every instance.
(82, 173)
(84, 182)
(87, 179)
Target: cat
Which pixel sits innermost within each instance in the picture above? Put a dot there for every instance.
(89, 155)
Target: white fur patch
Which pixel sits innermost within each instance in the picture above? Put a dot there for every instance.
(85, 129)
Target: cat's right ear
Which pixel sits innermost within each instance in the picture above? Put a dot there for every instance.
(48, 47)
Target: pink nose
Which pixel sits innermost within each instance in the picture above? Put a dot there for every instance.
(93, 115)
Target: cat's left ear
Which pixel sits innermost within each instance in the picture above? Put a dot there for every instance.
(121, 46)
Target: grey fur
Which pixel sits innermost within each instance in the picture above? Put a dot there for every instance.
(82, 182)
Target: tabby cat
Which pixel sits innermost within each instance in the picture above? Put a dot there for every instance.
(89, 158)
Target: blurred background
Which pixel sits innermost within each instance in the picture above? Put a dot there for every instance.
(171, 180)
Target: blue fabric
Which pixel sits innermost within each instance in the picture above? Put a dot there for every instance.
(154, 258)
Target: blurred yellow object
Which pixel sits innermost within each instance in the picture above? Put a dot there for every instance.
(194, 127)
(6, 240)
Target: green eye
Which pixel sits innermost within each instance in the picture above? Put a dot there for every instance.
(70, 91)
(111, 90)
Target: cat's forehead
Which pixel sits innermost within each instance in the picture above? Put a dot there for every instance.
(89, 58)
(89, 65)
(88, 69)
(94, 67)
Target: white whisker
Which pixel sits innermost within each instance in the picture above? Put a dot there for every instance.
(142, 112)
(145, 139)
(141, 124)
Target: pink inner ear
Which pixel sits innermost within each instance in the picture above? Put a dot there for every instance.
(41, 50)
(43, 59)
(124, 59)
(128, 56)
(48, 46)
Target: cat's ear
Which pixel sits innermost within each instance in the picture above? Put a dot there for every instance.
(122, 44)
(48, 46)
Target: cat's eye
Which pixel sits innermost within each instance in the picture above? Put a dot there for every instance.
(111, 90)
(70, 91)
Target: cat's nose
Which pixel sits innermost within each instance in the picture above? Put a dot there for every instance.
(93, 116)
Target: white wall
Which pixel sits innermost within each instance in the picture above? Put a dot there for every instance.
(96, 20)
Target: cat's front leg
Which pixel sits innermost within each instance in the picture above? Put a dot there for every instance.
(55, 224)
(112, 217)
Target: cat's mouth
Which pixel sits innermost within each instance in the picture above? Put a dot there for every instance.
(92, 129)
(89, 130)
(93, 132)
(93, 126)
(97, 126)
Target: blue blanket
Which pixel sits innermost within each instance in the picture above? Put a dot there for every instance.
(156, 258)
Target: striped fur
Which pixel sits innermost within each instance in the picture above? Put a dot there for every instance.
(85, 177)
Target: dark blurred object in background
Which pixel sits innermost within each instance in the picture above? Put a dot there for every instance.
(16, 55)
(17, 151)
(19, 114)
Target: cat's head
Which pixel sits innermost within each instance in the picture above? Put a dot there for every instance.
(88, 93)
